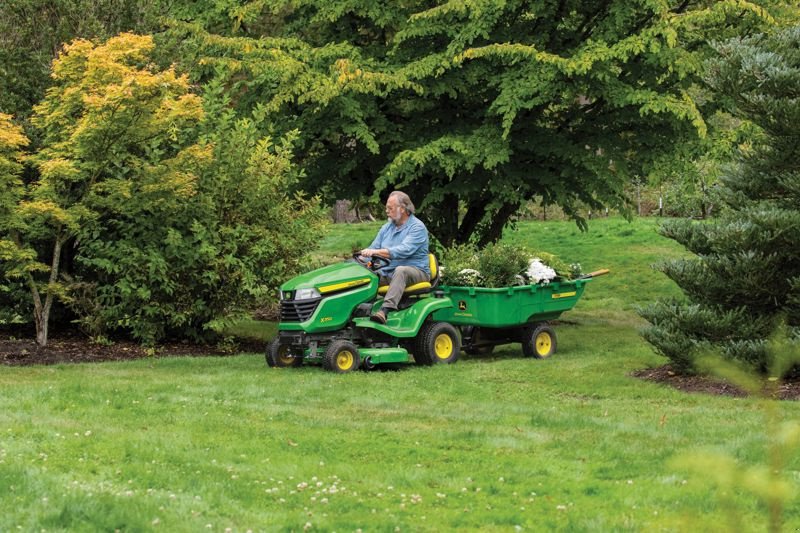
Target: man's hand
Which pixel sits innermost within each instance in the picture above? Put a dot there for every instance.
(369, 252)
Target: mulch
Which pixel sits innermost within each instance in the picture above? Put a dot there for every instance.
(788, 389)
(76, 348)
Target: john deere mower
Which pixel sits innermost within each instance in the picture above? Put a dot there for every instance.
(325, 320)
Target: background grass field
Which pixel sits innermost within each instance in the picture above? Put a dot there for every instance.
(502, 443)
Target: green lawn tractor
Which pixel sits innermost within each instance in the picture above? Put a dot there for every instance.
(325, 320)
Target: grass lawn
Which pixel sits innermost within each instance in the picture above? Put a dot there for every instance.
(492, 444)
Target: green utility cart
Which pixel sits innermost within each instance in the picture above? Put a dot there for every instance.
(489, 317)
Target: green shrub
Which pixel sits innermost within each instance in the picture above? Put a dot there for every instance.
(184, 269)
(455, 260)
(502, 264)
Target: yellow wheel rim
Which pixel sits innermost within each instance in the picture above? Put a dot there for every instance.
(344, 360)
(443, 346)
(283, 356)
(543, 344)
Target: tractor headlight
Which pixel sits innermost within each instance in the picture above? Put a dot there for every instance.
(306, 294)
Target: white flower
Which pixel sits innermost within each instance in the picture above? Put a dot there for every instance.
(469, 276)
(538, 272)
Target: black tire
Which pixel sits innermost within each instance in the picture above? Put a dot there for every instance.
(437, 342)
(475, 336)
(420, 354)
(341, 356)
(279, 355)
(539, 341)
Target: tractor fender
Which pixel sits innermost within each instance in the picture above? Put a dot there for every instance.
(406, 323)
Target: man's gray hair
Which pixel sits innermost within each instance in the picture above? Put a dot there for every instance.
(404, 201)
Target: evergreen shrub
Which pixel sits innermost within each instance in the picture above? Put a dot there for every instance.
(744, 279)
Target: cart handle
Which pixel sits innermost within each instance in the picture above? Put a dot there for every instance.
(601, 272)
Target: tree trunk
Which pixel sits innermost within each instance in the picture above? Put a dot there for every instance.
(368, 215)
(41, 312)
(495, 229)
(341, 211)
(475, 213)
(441, 218)
(639, 198)
(703, 206)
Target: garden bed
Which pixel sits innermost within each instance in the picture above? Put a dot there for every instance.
(75, 348)
(788, 390)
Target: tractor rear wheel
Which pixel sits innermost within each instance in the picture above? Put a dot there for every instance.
(437, 342)
(341, 356)
(279, 355)
(539, 341)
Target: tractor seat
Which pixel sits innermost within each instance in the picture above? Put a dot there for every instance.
(422, 287)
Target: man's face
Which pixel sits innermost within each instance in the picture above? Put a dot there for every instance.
(394, 210)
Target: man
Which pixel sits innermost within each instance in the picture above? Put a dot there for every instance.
(404, 241)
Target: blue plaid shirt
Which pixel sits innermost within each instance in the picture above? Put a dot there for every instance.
(407, 245)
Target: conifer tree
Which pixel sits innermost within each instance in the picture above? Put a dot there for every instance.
(745, 276)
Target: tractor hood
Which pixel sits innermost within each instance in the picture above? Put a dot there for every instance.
(328, 280)
(325, 299)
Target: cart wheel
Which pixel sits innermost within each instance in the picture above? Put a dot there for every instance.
(539, 341)
(437, 342)
(279, 355)
(341, 356)
(475, 336)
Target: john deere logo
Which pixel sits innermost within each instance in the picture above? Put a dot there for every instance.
(462, 305)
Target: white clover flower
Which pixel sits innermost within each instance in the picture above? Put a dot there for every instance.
(538, 272)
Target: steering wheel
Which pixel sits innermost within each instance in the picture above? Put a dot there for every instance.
(373, 263)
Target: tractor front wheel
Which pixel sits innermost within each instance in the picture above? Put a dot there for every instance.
(279, 355)
(539, 341)
(341, 356)
(437, 342)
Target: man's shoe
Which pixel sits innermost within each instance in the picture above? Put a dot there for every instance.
(378, 316)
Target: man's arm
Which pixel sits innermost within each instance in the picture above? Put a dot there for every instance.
(374, 247)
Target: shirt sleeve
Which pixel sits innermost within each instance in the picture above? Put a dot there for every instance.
(416, 237)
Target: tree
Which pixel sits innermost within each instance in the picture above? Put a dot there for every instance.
(15, 261)
(474, 107)
(690, 178)
(112, 131)
(745, 277)
(33, 32)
